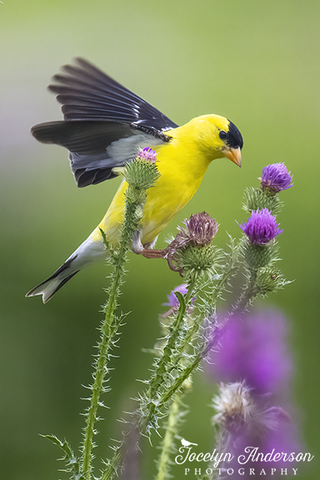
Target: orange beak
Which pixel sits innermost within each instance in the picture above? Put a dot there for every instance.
(234, 154)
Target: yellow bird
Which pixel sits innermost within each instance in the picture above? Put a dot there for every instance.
(104, 127)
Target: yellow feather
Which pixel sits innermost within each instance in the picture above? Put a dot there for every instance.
(182, 163)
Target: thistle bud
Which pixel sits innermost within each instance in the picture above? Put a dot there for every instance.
(257, 199)
(260, 248)
(191, 250)
(142, 173)
(270, 279)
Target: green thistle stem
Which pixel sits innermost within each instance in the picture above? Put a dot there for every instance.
(190, 367)
(250, 292)
(111, 468)
(229, 271)
(113, 464)
(171, 429)
(108, 329)
(175, 351)
(161, 370)
(185, 341)
(135, 199)
(177, 384)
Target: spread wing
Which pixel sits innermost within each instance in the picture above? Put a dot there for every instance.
(104, 123)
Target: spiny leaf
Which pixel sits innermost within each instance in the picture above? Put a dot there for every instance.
(72, 462)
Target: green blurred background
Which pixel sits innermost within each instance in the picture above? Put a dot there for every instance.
(254, 62)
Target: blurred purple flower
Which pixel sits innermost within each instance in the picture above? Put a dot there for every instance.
(173, 301)
(254, 364)
(257, 434)
(261, 227)
(147, 154)
(254, 349)
(172, 298)
(275, 177)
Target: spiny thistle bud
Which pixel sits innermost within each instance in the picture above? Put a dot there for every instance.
(196, 259)
(275, 178)
(258, 256)
(191, 249)
(257, 199)
(142, 173)
(270, 279)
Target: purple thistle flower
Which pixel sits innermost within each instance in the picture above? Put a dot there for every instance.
(275, 177)
(199, 232)
(254, 349)
(261, 227)
(147, 154)
(200, 229)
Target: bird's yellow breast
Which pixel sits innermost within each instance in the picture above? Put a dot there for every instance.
(182, 163)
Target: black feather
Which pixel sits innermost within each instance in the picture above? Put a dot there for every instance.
(98, 112)
(234, 137)
(43, 286)
(92, 177)
(84, 85)
(82, 137)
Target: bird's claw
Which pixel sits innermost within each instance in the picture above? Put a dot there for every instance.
(160, 253)
(150, 253)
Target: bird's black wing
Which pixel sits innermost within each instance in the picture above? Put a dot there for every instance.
(87, 93)
(104, 123)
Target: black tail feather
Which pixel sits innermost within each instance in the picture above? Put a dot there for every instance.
(50, 286)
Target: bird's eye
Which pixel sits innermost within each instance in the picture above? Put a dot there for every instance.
(222, 134)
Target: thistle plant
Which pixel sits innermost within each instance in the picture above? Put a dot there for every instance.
(249, 406)
(140, 175)
(259, 248)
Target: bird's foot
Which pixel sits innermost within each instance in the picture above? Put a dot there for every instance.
(150, 253)
(165, 253)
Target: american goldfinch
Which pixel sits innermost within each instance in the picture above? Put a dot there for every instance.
(104, 127)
